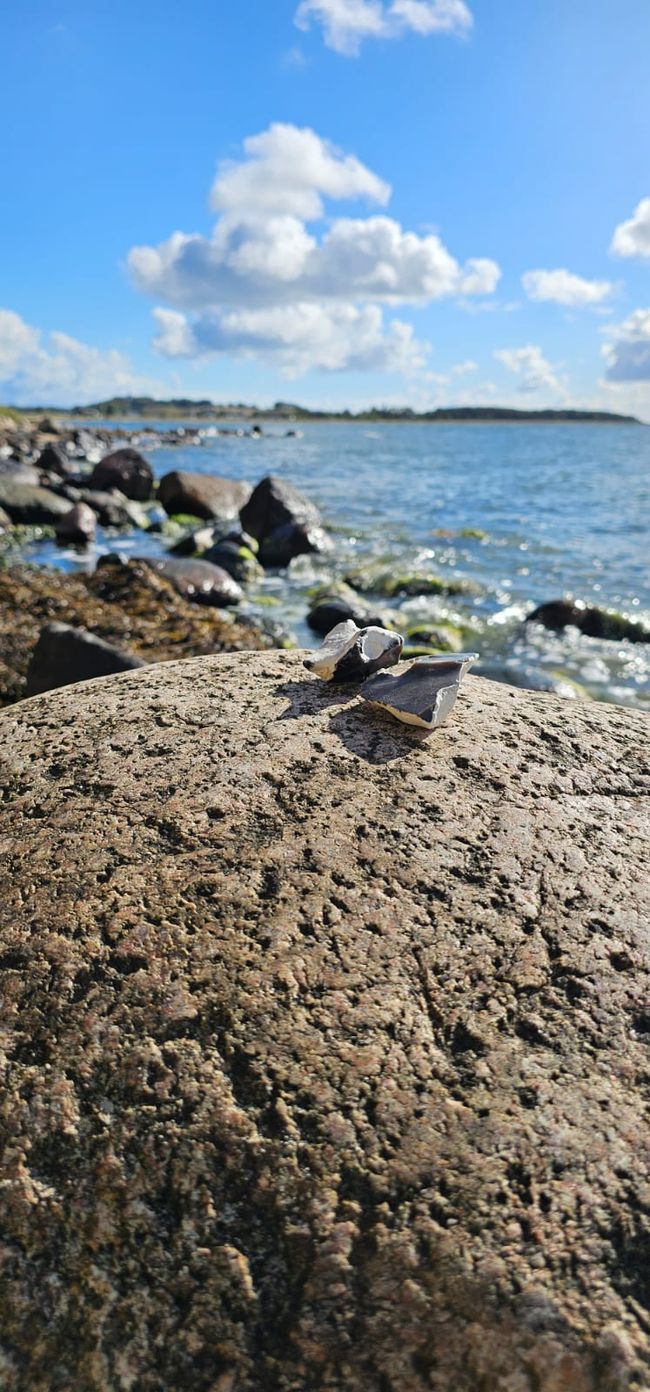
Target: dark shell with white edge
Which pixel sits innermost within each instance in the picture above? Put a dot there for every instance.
(425, 694)
(349, 653)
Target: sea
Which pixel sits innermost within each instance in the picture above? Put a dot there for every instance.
(528, 513)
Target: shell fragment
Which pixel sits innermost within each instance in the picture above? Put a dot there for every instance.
(350, 654)
(423, 695)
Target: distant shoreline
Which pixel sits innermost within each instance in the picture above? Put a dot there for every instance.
(206, 412)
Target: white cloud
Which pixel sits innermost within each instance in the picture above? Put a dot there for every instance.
(263, 257)
(59, 370)
(347, 23)
(564, 288)
(534, 372)
(627, 351)
(297, 338)
(632, 238)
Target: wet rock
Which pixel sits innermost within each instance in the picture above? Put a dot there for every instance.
(113, 509)
(590, 620)
(285, 543)
(5, 520)
(78, 527)
(236, 559)
(349, 654)
(64, 655)
(47, 426)
(54, 459)
(201, 495)
(30, 504)
(378, 580)
(15, 471)
(330, 610)
(324, 1049)
(423, 695)
(198, 581)
(438, 637)
(127, 470)
(276, 504)
(195, 542)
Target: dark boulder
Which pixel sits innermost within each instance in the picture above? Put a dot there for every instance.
(54, 460)
(198, 581)
(590, 620)
(78, 527)
(127, 470)
(112, 509)
(30, 505)
(5, 520)
(290, 540)
(201, 495)
(15, 471)
(236, 559)
(64, 655)
(274, 504)
(327, 613)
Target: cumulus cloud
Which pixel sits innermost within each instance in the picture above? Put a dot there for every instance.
(534, 372)
(564, 288)
(632, 238)
(266, 271)
(347, 23)
(37, 369)
(627, 351)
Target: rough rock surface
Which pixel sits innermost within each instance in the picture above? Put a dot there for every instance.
(202, 495)
(326, 1048)
(276, 503)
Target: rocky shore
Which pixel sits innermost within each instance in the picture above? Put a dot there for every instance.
(324, 1048)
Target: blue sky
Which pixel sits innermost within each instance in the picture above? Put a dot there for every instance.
(422, 201)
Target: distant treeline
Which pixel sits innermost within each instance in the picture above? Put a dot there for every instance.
(145, 407)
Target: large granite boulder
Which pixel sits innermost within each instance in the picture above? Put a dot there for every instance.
(128, 471)
(201, 495)
(325, 1048)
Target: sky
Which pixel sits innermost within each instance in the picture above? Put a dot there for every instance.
(335, 202)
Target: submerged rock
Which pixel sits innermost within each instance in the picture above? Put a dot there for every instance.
(276, 503)
(198, 581)
(425, 694)
(201, 495)
(379, 580)
(590, 620)
(127, 470)
(78, 527)
(349, 654)
(64, 655)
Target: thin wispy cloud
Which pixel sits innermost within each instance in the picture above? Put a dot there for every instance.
(346, 24)
(533, 371)
(38, 368)
(277, 281)
(564, 288)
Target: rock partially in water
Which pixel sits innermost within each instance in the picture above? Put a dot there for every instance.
(425, 694)
(349, 654)
(64, 655)
(78, 527)
(16, 471)
(198, 581)
(238, 560)
(332, 610)
(276, 503)
(30, 505)
(126, 470)
(439, 637)
(373, 579)
(202, 495)
(292, 539)
(112, 509)
(590, 620)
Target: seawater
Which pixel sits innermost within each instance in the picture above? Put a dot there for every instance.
(558, 510)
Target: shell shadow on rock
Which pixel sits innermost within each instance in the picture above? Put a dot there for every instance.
(350, 654)
(425, 694)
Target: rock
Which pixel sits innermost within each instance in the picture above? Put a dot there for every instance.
(126, 470)
(276, 503)
(64, 655)
(324, 1049)
(78, 527)
(590, 620)
(30, 504)
(47, 426)
(424, 694)
(237, 560)
(13, 471)
(285, 543)
(439, 637)
(378, 580)
(129, 605)
(54, 460)
(196, 542)
(113, 509)
(202, 495)
(329, 612)
(198, 581)
(5, 520)
(349, 653)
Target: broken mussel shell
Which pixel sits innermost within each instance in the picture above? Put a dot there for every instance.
(425, 694)
(349, 653)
